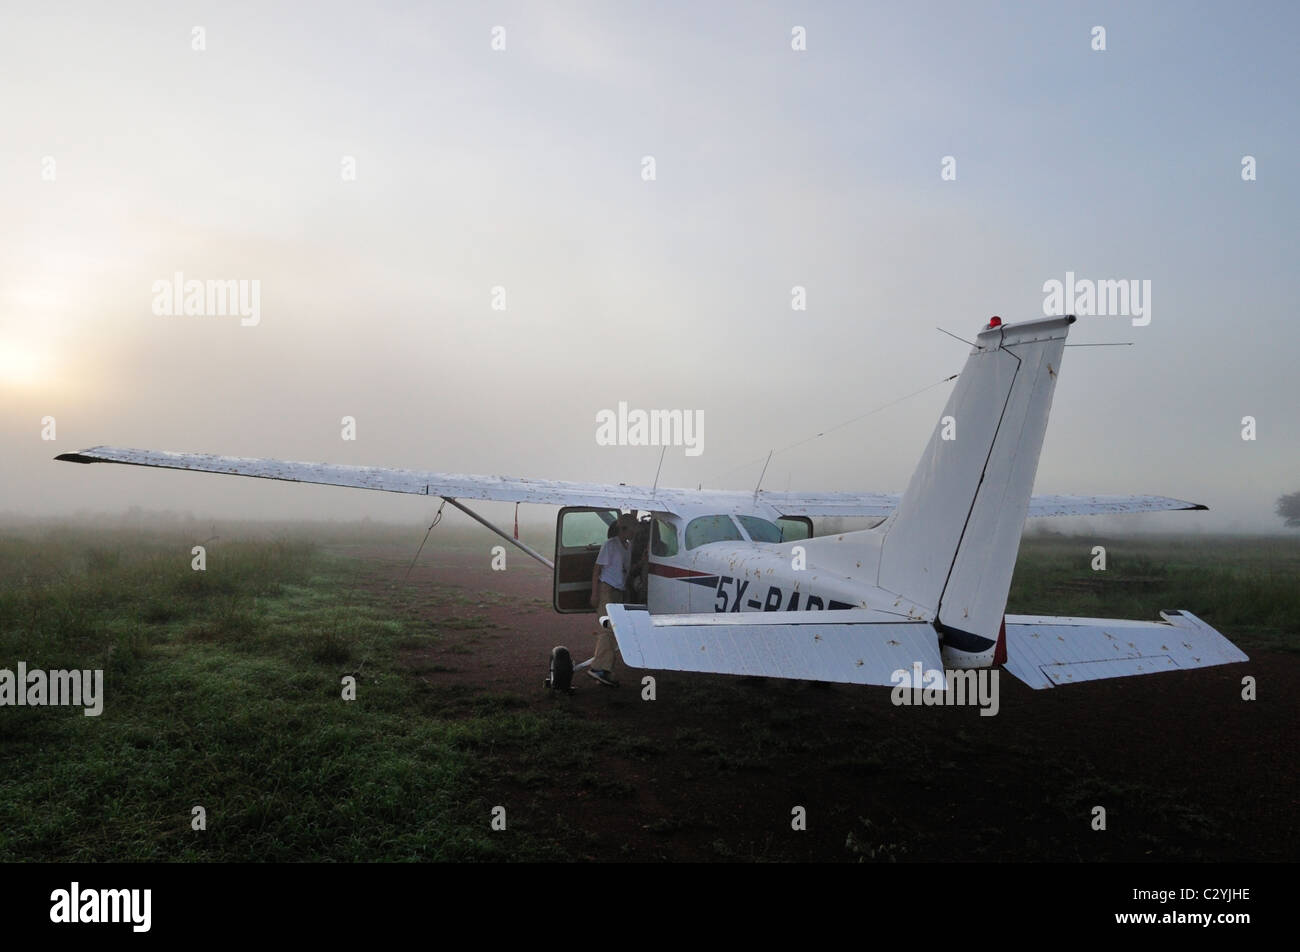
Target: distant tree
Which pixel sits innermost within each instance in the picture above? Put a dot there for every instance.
(1288, 507)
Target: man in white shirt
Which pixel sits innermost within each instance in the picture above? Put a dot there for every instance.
(609, 584)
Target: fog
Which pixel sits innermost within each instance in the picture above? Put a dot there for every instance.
(458, 246)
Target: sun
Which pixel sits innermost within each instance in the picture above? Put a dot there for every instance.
(20, 366)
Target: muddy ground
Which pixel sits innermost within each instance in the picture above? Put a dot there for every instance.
(715, 766)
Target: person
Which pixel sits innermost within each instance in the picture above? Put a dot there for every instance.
(640, 554)
(609, 584)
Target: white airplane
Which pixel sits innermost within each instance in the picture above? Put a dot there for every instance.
(735, 582)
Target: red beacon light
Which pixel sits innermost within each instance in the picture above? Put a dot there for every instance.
(994, 321)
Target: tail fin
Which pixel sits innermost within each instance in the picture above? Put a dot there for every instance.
(952, 543)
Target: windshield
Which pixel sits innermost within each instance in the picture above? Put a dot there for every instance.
(708, 529)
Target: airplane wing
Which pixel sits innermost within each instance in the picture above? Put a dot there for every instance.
(419, 482)
(853, 646)
(882, 504)
(1102, 505)
(565, 493)
(1046, 652)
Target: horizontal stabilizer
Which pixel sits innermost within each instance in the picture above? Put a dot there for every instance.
(851, 646)
(1046, 652)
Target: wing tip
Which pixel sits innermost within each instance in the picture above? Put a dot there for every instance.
(76, 458)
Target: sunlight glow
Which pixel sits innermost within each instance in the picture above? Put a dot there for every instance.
(20, 366)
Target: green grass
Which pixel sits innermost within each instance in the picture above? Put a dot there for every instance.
(1247, 588)
(223, 690)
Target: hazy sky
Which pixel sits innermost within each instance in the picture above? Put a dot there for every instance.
(129, 155)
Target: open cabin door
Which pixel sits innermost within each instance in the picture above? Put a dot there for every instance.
(579, 534)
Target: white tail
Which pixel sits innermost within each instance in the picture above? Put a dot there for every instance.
(951, 545)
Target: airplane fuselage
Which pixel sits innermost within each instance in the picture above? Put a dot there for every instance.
(746, 575)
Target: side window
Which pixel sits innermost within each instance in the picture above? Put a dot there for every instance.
(707, 529)
(665, 538)
(794, 528)
(759, 529)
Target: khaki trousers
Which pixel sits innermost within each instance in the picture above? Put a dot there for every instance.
(606, 646)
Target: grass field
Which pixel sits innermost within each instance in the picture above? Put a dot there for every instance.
(1247, 587)
(223, 690)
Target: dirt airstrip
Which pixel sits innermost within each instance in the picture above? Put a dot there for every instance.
(715, 767)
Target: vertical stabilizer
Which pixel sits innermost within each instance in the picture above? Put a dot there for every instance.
(953, 541)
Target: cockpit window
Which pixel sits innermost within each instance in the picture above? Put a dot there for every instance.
(707, 529)
(759, 529)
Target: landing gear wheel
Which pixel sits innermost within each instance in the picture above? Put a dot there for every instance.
(561, 678)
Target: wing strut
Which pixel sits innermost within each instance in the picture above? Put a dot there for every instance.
(479, 519)
(436, 519)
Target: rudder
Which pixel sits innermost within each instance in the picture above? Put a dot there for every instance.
(952, 543)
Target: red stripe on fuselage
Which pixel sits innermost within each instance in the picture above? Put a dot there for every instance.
(672, 571)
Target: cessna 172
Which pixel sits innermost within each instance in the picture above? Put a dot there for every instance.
(735, 582)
